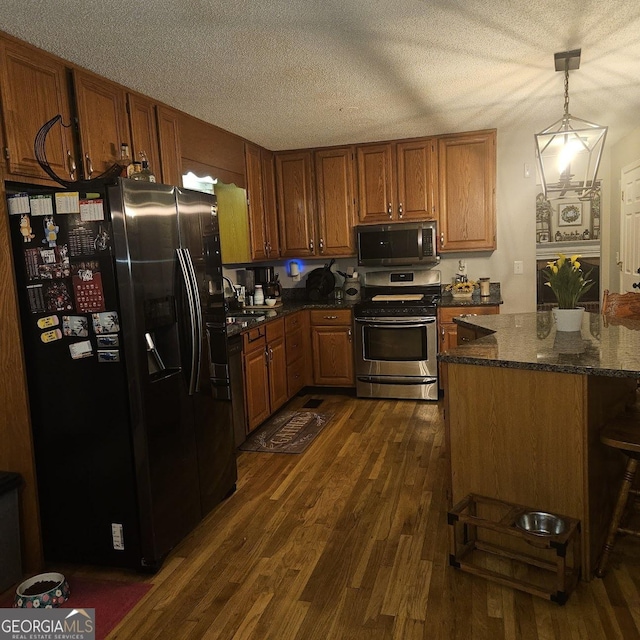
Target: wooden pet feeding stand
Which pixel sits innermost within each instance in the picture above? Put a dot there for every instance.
(486, 541)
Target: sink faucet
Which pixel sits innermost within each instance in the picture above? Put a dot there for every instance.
(234, 302)
(233, 288)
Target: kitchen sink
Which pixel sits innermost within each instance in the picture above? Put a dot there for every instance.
(239, 318)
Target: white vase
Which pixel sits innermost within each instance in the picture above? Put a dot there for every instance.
(568, 319)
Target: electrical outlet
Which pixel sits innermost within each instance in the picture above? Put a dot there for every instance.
(518, 267)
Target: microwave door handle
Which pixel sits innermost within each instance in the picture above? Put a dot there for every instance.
(420, 256)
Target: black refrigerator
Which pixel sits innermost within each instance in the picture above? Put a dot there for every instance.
(123, 325)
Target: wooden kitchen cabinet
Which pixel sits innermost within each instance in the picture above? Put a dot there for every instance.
(332, 347)
(277, 364)
(335, 192)
(34, 90)
(449, 329)
(263, 221)
(296, 220)
(265, 371)
(256, 379)
(397, 181)
(144, 132)
(466, 191)
(297, 344)
(102, 120)
(272, 234)
(316, 206)
(169, 145)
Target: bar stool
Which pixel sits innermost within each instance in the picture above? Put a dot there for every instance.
(624, 434)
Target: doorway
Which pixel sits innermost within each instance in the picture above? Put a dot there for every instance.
(630, 228)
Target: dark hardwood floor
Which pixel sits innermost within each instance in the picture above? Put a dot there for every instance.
(350, 540)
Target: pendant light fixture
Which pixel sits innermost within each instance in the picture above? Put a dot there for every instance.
(569, 151)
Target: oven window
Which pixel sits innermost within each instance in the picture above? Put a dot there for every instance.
(395, 344)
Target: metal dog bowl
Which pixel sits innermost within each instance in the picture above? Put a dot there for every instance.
(540, 523)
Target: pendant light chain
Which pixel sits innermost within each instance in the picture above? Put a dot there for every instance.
(566, 88)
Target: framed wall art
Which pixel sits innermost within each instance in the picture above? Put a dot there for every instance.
(570, 213)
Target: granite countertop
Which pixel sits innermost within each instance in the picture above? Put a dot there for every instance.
(476, 300)
(530, 341)
(279, 312)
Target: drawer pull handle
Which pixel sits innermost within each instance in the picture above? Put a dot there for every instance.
(330, 317)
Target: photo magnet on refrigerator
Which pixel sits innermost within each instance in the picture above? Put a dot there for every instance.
(75, 326)
(106, 322)
(80, 350)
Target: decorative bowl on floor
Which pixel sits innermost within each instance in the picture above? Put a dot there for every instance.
(540, 523)
(44, 591)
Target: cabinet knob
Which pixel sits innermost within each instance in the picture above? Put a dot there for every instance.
(400, 210)
(321, 245)
(389, 210)
(311, 245)
(442, 238)
(71, 165)
(88, 164)
(350, 334)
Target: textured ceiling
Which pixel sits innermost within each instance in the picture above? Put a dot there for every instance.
(300, 73)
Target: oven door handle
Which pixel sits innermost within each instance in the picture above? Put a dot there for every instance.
(406, 324)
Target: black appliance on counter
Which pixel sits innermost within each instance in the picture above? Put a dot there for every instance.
(123, 327)
(396, 335)
(268, 278)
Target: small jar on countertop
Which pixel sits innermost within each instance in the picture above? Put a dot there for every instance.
(485, 287)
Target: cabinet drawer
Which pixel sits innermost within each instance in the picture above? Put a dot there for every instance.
(293, 322)
(324, 317)
(294, 342)
(275, 329)
(447, 314)
(296, 377)
(254, 339)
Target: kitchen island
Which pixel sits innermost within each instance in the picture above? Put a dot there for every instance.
(524, 407)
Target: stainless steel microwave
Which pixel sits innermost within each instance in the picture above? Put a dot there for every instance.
(402, 243)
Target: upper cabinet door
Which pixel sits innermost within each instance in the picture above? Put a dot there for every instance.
(467, 189)
(336, 201)
(34, 90)
(267, 164)
(256, 203)
(294, 177)
(417, 179)
(375, 183)
(144, 132)
(102, 116)
(169, 142)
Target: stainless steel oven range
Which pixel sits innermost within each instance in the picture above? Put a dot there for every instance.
(397, 336)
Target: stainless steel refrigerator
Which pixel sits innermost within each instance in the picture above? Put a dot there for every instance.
(123, 326)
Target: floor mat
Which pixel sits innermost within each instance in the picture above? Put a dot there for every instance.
(287, 432)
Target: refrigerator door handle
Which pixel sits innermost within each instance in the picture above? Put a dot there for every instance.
(197, 308)
(193, 322)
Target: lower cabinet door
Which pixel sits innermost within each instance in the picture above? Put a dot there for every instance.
(256, 381)
(332, 348)
(277, 374)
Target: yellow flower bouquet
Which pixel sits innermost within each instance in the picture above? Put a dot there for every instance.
(461, 288)
(567, 280)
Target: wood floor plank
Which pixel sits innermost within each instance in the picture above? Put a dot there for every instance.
(349, 540)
